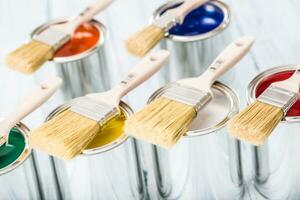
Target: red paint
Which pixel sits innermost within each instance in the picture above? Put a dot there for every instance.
(265, 83)
(85, 37)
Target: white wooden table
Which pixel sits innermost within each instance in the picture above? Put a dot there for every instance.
(274, 23)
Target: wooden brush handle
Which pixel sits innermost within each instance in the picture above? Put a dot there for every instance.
(32, 101)
(227, 59)
(185, 8)
(148, 66)
(86, 15)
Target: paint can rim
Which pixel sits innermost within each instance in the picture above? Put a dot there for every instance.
(222, 26)
(254, 83)
(103, 36)
(229, 93)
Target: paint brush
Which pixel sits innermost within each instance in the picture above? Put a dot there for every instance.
(67, 134)
(143, 41)
(30, 56)
(257, 121)
(31, 102)
(167, 118)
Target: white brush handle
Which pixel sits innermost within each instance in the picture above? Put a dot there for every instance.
(86, 15)
(148, 66)
(185, 8)
(291, 84)
(231, 55)
(32, 101)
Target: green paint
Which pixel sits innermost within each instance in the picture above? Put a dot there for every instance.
(17, 140)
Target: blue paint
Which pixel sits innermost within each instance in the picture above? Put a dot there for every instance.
(201, 20)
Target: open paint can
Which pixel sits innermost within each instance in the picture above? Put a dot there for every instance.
(191, 51)
(277, 162)
(109, 168)
(81, 63)
(19, 177)
(206, 162)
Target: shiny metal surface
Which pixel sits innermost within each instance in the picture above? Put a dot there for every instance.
(278, 97)
(95, 110)
(205, 164)
(191, 55)
(276, 163)
(108, 172)
(83, 73)
(54, 38)
(177, 38)
(20, 179)
(189, 96)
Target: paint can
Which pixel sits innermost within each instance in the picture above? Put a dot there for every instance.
(194, 44)
(276, 163)
(81, 63)
(19, 178)
(206, 163)
(108, 169)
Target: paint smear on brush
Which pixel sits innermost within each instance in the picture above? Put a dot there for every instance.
(280, 76)
(109, 133)
(84, 38)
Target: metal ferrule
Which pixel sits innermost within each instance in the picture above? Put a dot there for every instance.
(278, 97)
(166, 21)
(53, 37)
(94, 110)
(188, 95)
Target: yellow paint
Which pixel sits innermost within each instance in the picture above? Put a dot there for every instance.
(109, 133)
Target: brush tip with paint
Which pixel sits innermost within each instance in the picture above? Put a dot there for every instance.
(166, 119)
(257, 121)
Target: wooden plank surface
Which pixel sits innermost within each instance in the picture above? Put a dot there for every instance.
(275, 24)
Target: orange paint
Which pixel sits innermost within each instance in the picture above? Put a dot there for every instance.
(85, 37)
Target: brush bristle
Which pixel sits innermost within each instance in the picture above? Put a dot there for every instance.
(162, 122)
(64, 136)
(256, 122)
(29, 57)
(143, 41)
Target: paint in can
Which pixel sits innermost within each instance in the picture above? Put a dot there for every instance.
(81, 63)
(206, 163)
(109, 169)
(193, 44)
(83, 69)
(19, 178)
(276, 163)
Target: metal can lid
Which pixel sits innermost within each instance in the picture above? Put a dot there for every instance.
(101, 28)
(202, 23)
(17, 150)
(215, 114)
(268, 76)
(110, 143)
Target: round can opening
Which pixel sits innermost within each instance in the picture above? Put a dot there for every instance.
(262, 81)
(203, 22)
(85, 40)
(112, 134)
(17, 150)
(215, 115)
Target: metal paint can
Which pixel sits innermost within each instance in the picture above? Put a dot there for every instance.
(19, 177)
(193, 45)
(84, 72)
(110, 171)
(206, 163)
(276, 163)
